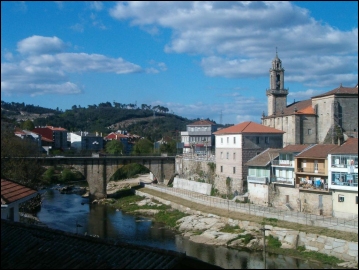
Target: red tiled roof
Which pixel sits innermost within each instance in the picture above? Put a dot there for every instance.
(318, 151)
(201, 123)
(46, 139)
(56, 128)
(11, 191)
(349, 147)
(292, 148)
(248, 127)
(300, 107)
(341, 90)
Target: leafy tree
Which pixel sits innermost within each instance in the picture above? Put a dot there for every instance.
(143, 146)
(28, 125)
(14, 165)
(169, 147)
(49, 175)
(114, 147)
(67, 175)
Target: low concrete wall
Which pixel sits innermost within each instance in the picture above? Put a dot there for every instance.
(199, 187)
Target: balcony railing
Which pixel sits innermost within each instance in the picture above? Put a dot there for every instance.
(311, 170)
(257, 179)
(282, 180)
(287, 163)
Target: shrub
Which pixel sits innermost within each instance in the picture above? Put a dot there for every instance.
(273, 241)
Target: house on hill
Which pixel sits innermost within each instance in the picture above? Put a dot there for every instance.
(199, 138)
(322, 119)
(56, 136)
(235, 146)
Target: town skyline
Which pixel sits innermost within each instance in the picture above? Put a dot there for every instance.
(60, 54)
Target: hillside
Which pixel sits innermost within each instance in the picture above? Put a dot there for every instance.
(152, 123)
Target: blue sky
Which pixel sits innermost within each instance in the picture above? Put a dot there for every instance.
(198, 59)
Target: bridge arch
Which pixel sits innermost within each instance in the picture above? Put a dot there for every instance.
(98, 170)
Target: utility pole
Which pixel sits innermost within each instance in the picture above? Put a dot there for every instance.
(264, 244)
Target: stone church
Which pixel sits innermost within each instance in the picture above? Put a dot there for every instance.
(327, 118)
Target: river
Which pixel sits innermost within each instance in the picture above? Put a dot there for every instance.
(73, 213)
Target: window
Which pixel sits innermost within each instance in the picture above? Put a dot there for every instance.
(227, 155)
(234, 140)
(234, 170)
(266, 139)
(356, 199)
(221, 155)
(227, 139)
(304, 163)
(310, 131)
(234, 156)
(257, 140)
(221, 140)
(340, 198)
(315, 166)
(221, 168)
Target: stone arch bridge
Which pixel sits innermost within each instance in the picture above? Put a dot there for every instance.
(98, 170)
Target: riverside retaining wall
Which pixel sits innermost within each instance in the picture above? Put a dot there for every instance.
(342, 249)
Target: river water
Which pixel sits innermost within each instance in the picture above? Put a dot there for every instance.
(73, 213)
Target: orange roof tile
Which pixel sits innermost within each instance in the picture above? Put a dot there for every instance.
(12, 191)
(248, 127)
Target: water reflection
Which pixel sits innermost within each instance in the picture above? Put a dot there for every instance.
(72, 213)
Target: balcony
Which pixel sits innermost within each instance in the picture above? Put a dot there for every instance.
(285, 163)
(311, 171)
(282, 180)
(257, 179)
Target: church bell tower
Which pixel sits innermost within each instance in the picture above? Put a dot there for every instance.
(277, 95)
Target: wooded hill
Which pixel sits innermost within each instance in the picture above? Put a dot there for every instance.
(153, 123)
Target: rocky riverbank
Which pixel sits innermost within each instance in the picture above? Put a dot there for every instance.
(208, 229)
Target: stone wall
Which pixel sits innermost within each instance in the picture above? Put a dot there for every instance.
(202, 188)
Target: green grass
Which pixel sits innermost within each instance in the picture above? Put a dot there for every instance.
(247, 238)
(169, 217)
(273, 241)
(231, 229)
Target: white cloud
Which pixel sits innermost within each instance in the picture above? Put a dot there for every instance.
(40, 45)
(235, 38)
(40, 70)
(96, 5)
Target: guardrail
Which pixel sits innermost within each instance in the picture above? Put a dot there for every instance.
(350, 225)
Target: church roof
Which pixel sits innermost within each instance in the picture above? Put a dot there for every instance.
(341, 90)
(248, 127)
(299, 107)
